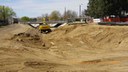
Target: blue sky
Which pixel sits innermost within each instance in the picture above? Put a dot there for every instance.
(35, 8)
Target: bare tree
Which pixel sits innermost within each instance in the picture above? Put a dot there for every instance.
(70, 14)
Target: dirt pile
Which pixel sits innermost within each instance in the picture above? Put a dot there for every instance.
(29, 40)
(26, 37)
(72, 48)
(90, 37)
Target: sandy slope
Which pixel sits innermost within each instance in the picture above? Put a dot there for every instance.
(74, 48)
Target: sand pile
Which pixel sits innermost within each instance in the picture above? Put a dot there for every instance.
(72, 48)
(90, 37)
(29, 39)
(26, 37)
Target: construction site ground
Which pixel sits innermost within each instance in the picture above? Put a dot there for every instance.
(71, 48)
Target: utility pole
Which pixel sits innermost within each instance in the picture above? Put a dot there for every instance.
(80, 10)
(65, 17)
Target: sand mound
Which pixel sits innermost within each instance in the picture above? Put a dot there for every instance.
(77, 48)
(30, 38)
(90, 37)
(26, 37)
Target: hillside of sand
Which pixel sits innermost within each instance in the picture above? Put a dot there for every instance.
(80, 48)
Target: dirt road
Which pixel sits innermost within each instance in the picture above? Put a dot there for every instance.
(74, 48)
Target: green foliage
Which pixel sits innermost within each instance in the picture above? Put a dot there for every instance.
(6, 12)
(25, 19)
(101, 8)
(55, 15)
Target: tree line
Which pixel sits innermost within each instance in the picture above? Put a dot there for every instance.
(95, 8)
(53, 16)
(101, 8)
(7, 12)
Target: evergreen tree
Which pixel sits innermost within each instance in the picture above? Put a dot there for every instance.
(101, 8)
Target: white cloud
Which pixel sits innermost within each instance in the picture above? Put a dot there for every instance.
(34, 8)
